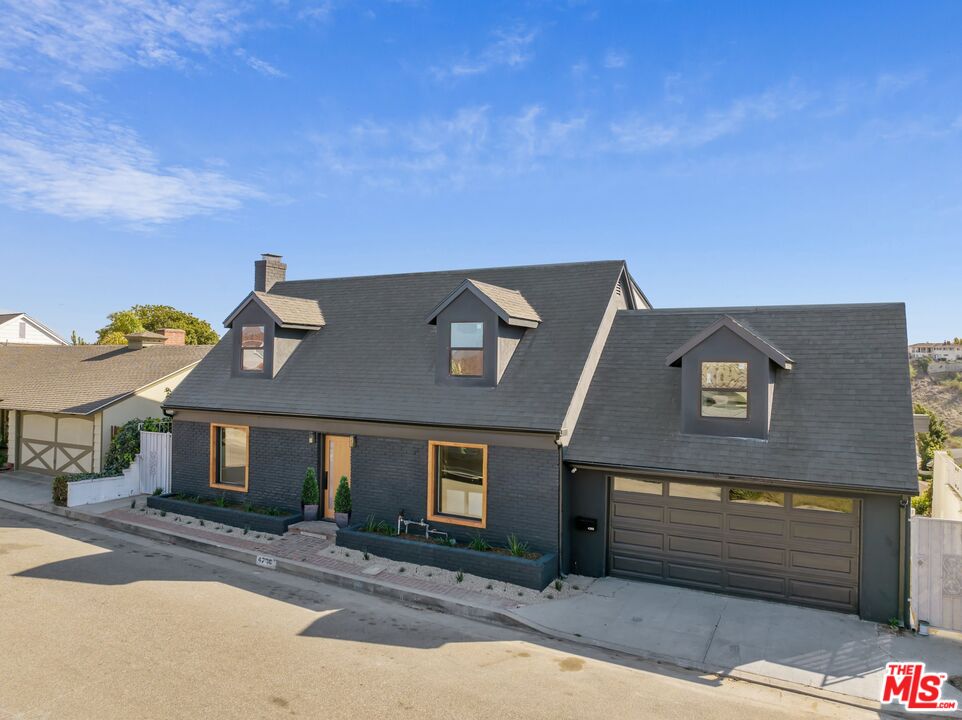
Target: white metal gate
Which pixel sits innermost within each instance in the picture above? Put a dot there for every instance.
(154, 461)
(937, 571)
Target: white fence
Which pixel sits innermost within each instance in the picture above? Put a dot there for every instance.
(153, 462)
(937, 571)
(149, 470)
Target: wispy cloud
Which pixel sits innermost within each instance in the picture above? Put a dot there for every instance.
(64, 162)
(615, 59)
(77, 38)
(642, 133)
(437, 153)
(510, 48)
(261, 66)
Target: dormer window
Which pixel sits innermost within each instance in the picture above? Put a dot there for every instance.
(724, 390)
(467, 349)
(252, 348)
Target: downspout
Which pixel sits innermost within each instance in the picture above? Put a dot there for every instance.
(561, 477)
(903, 560)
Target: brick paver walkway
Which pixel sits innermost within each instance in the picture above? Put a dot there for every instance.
(315, 551)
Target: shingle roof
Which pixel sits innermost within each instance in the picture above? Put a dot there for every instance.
(746, 334)
(375, 358)
(79, 379)
(841, 416)
(510, 305)
(8, 316)
(290, 312)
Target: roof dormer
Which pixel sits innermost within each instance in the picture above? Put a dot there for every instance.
(267, 329)
(479, 328)
(728, 378)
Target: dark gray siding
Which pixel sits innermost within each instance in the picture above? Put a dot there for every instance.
(586, 493)
(278, 461)
(390, 475)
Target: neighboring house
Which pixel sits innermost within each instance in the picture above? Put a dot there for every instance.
(60, 405)
(20, 328)
(936, 351)
(757, 451)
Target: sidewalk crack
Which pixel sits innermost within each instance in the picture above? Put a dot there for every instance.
(713, 631)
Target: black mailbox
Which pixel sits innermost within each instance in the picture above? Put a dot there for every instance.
(586, 524)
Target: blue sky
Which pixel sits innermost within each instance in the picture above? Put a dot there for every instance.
(732, 153)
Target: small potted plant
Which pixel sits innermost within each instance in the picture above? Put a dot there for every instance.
(310, 495)
(342, 503)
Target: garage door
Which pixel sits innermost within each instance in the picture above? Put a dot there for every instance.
(56, 444)
(796, 547)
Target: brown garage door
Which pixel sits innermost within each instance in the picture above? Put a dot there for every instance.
(796, 547)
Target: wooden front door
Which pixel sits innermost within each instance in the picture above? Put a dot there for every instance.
(337, 464)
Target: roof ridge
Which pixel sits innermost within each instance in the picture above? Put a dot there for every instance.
(455, 271)
(758, 308)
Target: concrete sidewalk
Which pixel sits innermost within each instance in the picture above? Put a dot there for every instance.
(25, 488)
(828, 654)
(743, 638)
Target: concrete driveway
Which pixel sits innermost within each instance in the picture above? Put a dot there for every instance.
(816, 648)
(25, 488)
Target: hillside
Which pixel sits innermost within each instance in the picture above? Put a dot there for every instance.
(944, 400)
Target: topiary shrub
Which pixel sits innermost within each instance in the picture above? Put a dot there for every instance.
(342, 498)
(310, 493)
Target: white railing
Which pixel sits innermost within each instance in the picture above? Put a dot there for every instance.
(937, 571)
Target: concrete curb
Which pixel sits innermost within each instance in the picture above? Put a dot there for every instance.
(461, 608)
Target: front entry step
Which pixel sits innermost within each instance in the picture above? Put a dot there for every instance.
(314, 528)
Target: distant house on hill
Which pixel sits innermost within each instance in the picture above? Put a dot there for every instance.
(936, 351)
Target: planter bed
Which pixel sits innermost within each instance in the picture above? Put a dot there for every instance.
(235, 517)
(529, 573)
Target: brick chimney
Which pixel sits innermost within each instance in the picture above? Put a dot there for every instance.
(174, 336)
(267, 271)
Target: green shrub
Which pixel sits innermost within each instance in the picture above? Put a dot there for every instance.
(158, 491)
(3, 458)
(922, 504)
(126, 444)
(934, 439)
(342, 498)
(516, 547)
(479, 543)
(60, 490)
(310, 493)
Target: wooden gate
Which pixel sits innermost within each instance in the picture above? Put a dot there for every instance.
(153, 463)
(937, 571)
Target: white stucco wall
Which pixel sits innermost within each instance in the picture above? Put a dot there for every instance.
(946, 488)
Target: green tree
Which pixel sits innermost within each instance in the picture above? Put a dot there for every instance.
(154, 318)
(75, 339)
(934, 439)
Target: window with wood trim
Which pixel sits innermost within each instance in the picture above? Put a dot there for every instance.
(230, 457)
(724, 390)
(457, 483)
(467, 349)
(252, 348)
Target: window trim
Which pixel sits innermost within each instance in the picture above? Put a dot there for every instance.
(262, 348)
(451, 348)
(746, 390)
(212, 478)
(433, 445)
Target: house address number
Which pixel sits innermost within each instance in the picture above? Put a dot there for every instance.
(266, 561)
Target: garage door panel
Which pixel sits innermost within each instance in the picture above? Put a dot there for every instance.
(765, 551)
(649, 540)
(825, 533)
(704, 576)
(710, 549)
(824, 593)
(56, 443)
(754, 583)
(38, 427)
(647, 567)
(756, 554)
(826, 562)
(651, 513)
(695, 518)
(762, 525)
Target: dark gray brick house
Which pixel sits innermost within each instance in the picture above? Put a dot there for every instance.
(765, 452)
